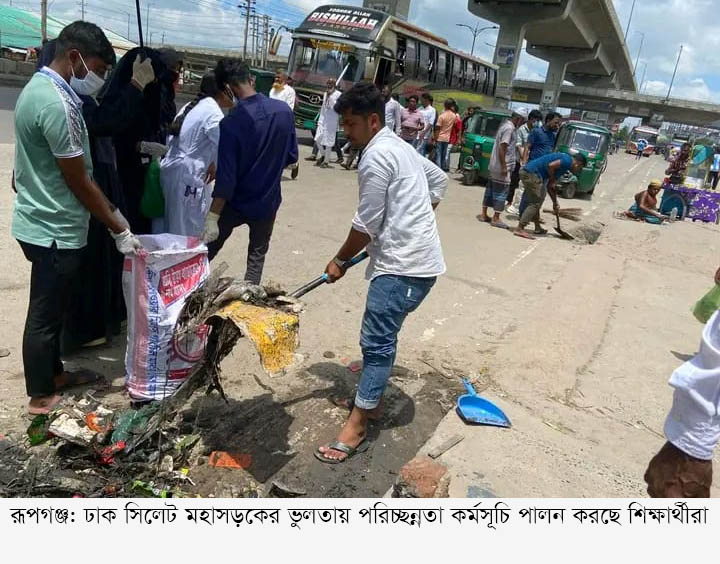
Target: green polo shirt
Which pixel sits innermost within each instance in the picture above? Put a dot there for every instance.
(48, 126)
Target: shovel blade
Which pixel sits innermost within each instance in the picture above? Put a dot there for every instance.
(564, 234)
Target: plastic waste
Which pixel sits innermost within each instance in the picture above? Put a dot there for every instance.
(37, 432)
(149, 489)
(131, 422)
(673, 214)
(707, 305)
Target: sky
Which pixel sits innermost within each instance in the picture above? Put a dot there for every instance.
(667, 24)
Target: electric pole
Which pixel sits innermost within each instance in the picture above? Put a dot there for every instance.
(266, 40)
(163, 38)
(128, 33)
(82, 10)
(147, 20)
(248, 8)
(43, 19)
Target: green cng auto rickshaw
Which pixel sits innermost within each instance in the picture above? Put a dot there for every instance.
(592, 141)
(478, 144)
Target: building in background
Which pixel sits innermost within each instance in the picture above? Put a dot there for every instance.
(398, 8)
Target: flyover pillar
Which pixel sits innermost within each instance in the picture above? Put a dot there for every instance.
(558, 60)
(507, 54)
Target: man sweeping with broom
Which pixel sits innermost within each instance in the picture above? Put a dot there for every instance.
(395, 221)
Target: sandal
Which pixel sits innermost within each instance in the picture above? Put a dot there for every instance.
(45, 408)
(345, 449)
(484, 219)
(499, 225)
(524, 235)
(540, 231)
(82, 377)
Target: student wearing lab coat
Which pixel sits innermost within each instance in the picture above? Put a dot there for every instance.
(188, 169)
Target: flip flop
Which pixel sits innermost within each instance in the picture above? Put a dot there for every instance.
(524, 235)
(45, 409)
(482, 219)
(342, 447)
(541, 231)
(82, 377)
(499, 225)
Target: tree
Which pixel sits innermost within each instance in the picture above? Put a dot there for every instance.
(624, 133)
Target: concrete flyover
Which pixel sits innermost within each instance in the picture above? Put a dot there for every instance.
(581, 40)
(620, 104)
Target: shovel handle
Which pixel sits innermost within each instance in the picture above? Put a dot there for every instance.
(469, 387)
(320, 280)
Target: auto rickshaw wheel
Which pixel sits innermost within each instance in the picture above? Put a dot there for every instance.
(469, 177)
(569, 189)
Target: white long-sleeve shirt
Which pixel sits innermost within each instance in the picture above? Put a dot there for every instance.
(286, 94)
(397, 190)
(393, 115)
(693, 424)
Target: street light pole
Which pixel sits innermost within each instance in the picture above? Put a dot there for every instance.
(642, 40)
(642, 80)
(627, 29)
(476, 31)
(674, 72)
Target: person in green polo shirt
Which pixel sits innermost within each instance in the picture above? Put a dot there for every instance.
(55, 197)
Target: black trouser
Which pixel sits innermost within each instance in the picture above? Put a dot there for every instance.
(714, 178)
(337, 148)
(514, 183)
(51, 278)
(260, 234)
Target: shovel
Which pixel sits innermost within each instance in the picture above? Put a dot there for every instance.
(320, 280)
(474, 409)
(563, 234)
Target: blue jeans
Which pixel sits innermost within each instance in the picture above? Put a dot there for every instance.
(442, 155)
(423, 147)
(390, 299)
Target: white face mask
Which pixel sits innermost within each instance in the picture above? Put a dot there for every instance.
(234, 99)
(88, 86)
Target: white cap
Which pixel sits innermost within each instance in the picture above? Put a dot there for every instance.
(522, 112)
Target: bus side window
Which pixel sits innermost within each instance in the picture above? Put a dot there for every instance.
(486, 80)
(457, 79)
(440, 71)
(410, 59)
(401, 53)
(432, 64)
(423, 54)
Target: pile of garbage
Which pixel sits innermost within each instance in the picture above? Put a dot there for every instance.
(85, 449)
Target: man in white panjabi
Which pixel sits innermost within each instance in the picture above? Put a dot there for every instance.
(327, 124)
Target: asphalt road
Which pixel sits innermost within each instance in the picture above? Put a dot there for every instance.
(8, 98)
(576, 343)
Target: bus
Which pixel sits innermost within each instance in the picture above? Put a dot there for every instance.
(642, 132)
(351, 44)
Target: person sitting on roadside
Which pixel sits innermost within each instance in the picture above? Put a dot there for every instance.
(534, 175)
(645, 206)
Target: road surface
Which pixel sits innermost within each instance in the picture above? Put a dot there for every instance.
(575, 342)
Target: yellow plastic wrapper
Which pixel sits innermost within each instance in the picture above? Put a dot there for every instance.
(274, 333)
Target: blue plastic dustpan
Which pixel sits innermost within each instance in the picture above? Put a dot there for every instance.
(474, 409)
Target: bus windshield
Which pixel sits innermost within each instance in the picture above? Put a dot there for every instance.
(587, 141)
(314, 61)
(638, 134)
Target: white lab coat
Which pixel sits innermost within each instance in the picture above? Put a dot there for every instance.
(328, 123)
(183, 170)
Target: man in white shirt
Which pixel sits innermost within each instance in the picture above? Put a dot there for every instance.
(393, 111)
(282, 91)
(430, 117)
(683, 467)
(395, 221)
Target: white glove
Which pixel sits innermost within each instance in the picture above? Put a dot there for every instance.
(127, 243)
(153, 149)
(212, 230)
(121, 219)
(143, 72)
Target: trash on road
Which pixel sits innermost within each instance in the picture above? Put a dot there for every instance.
(221, 459)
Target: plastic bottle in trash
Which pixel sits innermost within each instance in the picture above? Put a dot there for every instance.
(673, 214)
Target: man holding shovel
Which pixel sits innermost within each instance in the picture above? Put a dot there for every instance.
(534, 174)
(395, 221)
